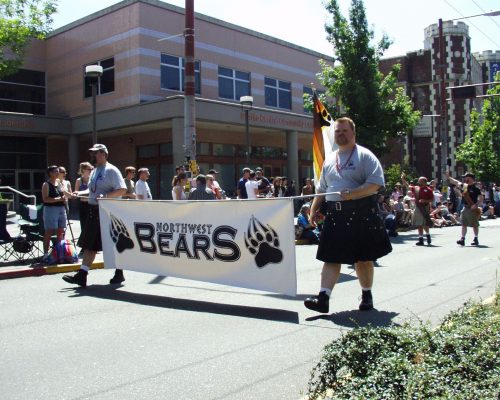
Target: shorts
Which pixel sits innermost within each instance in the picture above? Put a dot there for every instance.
(90, 238)
(353, 235)
(54, 217)
(469, 217)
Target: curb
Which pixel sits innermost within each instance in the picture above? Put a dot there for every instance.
(23, 272)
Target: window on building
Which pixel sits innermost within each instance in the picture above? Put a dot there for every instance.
(460, 134)
(23, 92)
(203, 148)
(233, 84)
(172, 73)
(278, 93)
(305, 155)
(106, 82)
(223, 150)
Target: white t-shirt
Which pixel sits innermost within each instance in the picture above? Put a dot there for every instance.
(250, 186)
(349, 170)
(103, 180)
(142, 188)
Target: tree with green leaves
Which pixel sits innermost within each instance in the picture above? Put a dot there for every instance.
(20, 22)
(481, 149)
(380, 109)
(393, 173)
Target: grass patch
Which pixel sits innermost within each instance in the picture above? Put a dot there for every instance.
(457, 360)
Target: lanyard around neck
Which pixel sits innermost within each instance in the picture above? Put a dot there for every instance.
(337, 163)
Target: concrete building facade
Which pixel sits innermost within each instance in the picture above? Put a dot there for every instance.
(140, 46)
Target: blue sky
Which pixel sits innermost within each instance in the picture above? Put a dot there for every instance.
(302, 21)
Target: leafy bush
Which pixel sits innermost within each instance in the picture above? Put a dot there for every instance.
(457, 360)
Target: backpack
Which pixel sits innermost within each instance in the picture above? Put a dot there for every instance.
(63, 252)
(21, 244)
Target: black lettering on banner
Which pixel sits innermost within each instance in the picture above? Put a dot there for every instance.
(182, 247)
(144, 233)
(164, 244)
(201, 242)
(219, 242)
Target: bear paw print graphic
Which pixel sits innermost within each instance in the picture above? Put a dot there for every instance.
(263, 242)
(119, 234)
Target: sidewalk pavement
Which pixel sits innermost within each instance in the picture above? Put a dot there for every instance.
(32, 267)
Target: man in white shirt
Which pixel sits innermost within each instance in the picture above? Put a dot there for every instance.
(215, 183)
(252, 186)
(142, 190)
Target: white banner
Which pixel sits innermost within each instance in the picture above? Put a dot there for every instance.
(248, 244)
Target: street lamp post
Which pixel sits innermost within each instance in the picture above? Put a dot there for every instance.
(246, 104)
(94, 72)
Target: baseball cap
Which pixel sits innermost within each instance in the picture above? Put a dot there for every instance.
(469, 174)
(99, 147)
(213, 171)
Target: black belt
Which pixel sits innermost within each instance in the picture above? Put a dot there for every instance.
(365, 202)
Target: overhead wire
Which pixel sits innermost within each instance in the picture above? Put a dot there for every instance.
(471, 23)
(484, 11)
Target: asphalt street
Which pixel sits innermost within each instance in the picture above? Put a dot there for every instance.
(168, 338)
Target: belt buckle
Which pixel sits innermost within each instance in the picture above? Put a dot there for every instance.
(338, 206)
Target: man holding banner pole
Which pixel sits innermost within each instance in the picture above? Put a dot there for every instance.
(106, 181)
(352, 232)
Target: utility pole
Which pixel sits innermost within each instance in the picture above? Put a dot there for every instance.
(189, 83)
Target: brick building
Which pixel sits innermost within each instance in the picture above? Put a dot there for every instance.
(429, 148)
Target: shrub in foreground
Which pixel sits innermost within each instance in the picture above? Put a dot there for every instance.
(457, 360)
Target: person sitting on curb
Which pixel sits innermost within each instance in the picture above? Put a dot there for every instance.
(309, 232)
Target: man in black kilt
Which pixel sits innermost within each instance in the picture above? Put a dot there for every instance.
(352, 232)
(105, 181)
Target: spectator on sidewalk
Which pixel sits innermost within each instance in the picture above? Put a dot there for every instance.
(201, 192)
(54, 209)
(252, 186)
(402, 212)
(142, 190)
(178, 186)
(129, 182)
(264, 184)
(241, 191)
(82, 184)
(211, 185)
(309, 232)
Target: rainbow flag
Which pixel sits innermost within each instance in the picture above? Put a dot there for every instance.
(323, 142)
